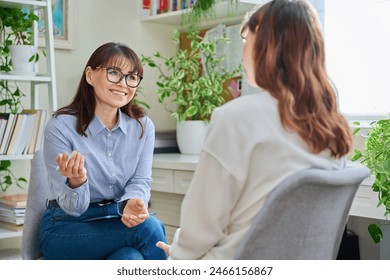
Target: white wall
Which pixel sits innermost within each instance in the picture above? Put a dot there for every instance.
(101, 21)
(95, 23)
(98, 22)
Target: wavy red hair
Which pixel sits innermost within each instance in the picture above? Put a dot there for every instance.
(289, 61)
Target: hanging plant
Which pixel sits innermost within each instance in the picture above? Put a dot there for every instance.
(201, 9)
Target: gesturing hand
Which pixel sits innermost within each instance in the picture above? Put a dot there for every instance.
(72, 167)
(134, 212)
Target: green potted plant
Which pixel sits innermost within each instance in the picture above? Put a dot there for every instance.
(376, 156)
(195, 88)
(16, 26)
(16, 30)
(202, 9)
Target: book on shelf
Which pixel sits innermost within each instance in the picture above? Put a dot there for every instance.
(41, 128)
(145, 4)
(11, 226)
(14, 200)
(7, 133)
(146, 8)
(163, 7)
(6, 210)
(154, 7)
(24, 144)
(17, 220)
(3, 125)
(30, 131)
(31, 147)
(17, 134)
(13, 211)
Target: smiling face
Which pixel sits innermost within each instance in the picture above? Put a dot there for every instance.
(109, 95)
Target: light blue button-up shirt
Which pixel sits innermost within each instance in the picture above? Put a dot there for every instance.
(118, 161)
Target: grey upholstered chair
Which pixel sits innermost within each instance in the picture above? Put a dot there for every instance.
(35, 208)
(304, 217)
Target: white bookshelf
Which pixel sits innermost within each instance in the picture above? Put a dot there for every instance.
(48, 76)
(224, 13)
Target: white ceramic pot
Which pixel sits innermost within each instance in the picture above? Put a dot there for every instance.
(190, 136)
(20, 55)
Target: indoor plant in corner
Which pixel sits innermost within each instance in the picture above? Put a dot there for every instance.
(195, 88)
(16, 26)
(16, 30)
(376, 156)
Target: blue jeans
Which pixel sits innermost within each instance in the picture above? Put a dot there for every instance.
(64, 237)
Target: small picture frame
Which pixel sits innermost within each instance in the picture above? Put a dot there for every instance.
(62, 11)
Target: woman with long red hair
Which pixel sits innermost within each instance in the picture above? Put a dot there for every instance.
(256, 141)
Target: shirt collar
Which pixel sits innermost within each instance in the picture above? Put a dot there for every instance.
(96, 126)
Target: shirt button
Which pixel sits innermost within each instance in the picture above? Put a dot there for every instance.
(110, 187)
(113, 174)
(74, 193)
(109, 134)
(109, 154)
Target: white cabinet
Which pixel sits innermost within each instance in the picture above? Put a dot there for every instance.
(171, 181)
(172, 174)
(46, 77)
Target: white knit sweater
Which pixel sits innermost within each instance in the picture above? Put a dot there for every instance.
(246, 154)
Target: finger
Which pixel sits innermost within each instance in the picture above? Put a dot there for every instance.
(82, 170)
(62, 162)
(72, 160)
(137, 219)
(73, 163)
(128, 222)
(140, 204)
(76, 165)
(143, 216)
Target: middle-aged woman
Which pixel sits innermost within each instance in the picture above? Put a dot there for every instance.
(97, 206)
(256, 141)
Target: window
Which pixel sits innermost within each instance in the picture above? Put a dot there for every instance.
(357, 44)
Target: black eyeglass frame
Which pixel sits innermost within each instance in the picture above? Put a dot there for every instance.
(123, 76)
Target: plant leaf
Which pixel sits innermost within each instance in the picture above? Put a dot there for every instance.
(375, 232)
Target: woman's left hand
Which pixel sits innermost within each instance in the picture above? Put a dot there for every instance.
(134, 212)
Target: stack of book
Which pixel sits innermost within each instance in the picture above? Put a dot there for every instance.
(22, 133)
(12, 211)
(154, 7)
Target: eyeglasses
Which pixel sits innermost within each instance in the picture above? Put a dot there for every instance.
(115, 76)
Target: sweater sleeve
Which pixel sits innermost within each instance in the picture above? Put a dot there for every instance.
(205, 210)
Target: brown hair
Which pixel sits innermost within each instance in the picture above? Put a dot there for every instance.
(84, 102)
(289, 59)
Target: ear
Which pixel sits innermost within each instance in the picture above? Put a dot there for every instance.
(88, 75)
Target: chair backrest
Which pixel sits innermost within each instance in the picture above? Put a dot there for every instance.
(304, 216)
(36, 205)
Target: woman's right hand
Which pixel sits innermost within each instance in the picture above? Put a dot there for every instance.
(72, 168)
(165, 247)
